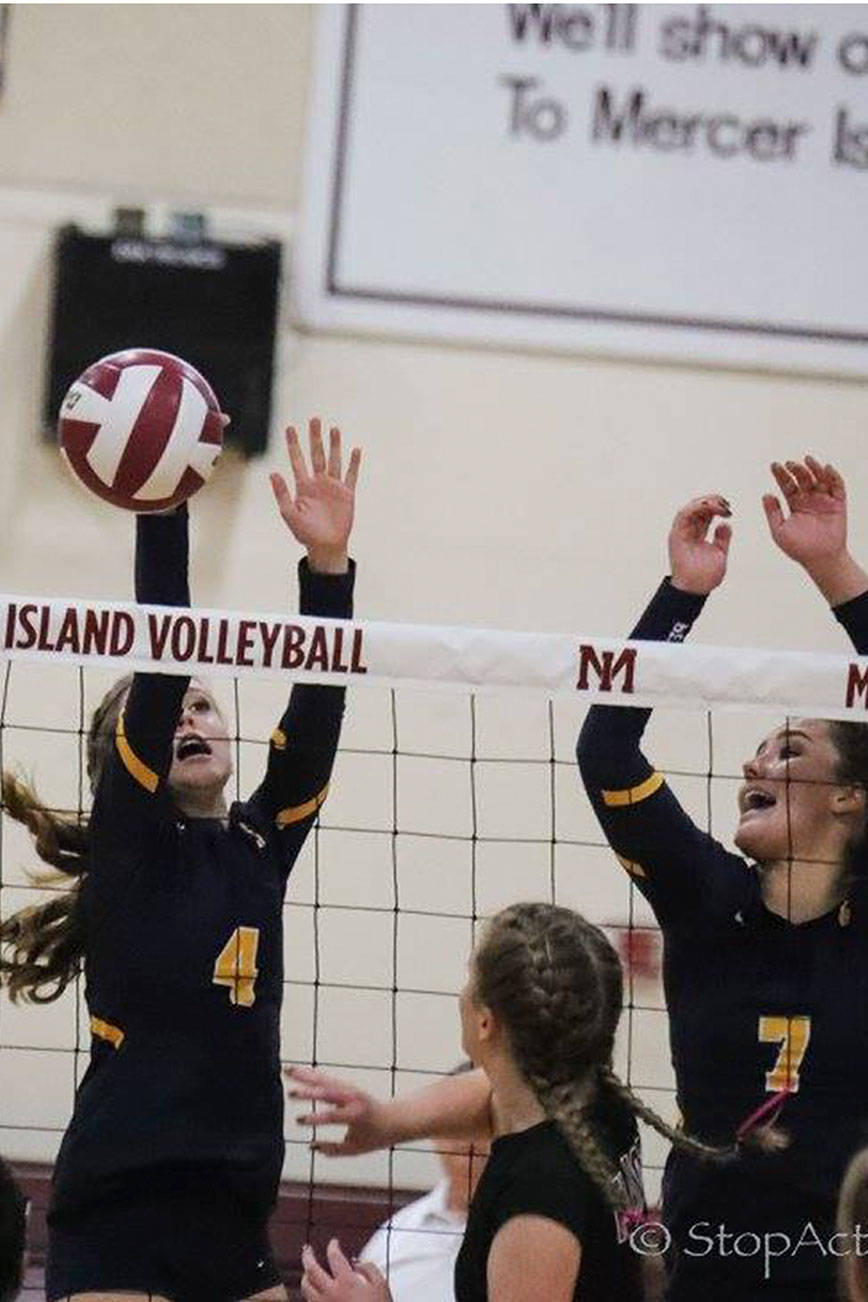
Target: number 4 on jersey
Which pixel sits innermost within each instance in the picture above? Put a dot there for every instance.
(236, 966)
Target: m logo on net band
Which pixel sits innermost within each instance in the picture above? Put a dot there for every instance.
(607, 667)
(857, 687)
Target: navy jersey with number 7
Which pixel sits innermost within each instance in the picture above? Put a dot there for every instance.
(759, 1008)
(183, 920)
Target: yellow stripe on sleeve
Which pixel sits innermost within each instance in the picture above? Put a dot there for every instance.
(633, 868)
(278, 739)
(295, 813)
(146, 777)
(633, 795)
(105, 1031)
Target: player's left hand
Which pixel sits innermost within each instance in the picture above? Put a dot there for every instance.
(814, 530)
(320, 515)
(343, 1281)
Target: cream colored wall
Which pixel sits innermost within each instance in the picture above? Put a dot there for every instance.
(502, 489)
(184, 100)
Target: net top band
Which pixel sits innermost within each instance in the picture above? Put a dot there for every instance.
(193, 641)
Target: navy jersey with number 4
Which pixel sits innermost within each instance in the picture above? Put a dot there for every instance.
(757, 1005)
(184, 934)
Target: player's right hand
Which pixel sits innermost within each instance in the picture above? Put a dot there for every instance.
(343, 1104)
(698, 562)
(343, 1281)
(320, 515)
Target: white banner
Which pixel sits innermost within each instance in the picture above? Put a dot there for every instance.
(308, 649)
(683, 181)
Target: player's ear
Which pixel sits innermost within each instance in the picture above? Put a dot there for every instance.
(485, 1021)
(849, 800)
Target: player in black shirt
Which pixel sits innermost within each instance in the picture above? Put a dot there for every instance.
(169, 1169)
(554, 1213)
(765, 956)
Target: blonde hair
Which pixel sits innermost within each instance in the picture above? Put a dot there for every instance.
(42, 946)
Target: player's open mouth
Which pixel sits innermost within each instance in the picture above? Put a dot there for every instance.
(191, 747)
(754, 798)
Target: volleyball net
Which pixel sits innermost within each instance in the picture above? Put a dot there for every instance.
(455, 793)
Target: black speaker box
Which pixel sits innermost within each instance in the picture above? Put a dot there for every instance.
(213, 304)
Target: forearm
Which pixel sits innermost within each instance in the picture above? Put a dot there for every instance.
(670, 614)
(313, 715)
(332, 561)
(303, 746)
(311, 722)
(852, 615)
(608, 748)
(840, 579)
(162, 559)
(161, 578)
(455, 1107)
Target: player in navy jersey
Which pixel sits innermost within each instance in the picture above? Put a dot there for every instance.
(169, 1169)
(556, 1208)
(765, 956)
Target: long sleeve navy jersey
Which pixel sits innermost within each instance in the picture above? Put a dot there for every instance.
(183, 921)
(757, 1005)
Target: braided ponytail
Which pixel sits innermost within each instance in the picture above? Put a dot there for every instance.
(678, 1138)
(555, 983)
(42, 946)
(564, 1104)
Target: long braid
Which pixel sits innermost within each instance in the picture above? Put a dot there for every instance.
(687, 1143)
(42, 946)
(555, 982)
(566, 1003)
(766, 1138)
(567, 1105)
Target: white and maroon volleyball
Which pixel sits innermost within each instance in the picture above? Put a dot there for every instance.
(141, 429)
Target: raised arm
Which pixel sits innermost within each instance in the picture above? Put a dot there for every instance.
(303, 746)
(146, 728)
(678, 867)
(812, 531)
(131, 789)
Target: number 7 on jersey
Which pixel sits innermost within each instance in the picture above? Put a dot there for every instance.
(794, 1034)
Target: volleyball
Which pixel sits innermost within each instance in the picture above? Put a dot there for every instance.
(141, 429)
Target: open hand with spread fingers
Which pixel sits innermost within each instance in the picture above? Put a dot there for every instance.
(344, 1281)
(698, 562)
(320, 513)
(813, 529)
(344, 1105)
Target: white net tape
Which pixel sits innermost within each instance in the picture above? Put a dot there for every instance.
(129, 636)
